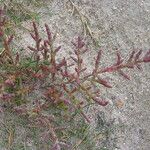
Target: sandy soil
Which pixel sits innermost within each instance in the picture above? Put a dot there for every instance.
(115, 24)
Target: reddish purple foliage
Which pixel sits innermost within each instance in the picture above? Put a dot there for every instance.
(60, 82)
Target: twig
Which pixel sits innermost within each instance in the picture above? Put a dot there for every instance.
(84, 21)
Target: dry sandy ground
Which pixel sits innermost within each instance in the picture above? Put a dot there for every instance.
(115, 24)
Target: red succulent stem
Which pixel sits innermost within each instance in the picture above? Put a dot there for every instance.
(114, 68)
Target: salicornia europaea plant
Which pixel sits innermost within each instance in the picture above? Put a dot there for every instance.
(65, 86)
